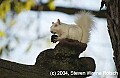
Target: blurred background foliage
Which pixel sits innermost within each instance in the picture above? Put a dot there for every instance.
(14, 7)
(10, 9)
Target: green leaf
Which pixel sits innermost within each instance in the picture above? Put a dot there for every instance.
(29, 47)
(2, 34)
(1, 50)
(51, 5)
(17, 39)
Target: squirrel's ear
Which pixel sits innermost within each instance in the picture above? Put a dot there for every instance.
(52, 22)
(58, 21)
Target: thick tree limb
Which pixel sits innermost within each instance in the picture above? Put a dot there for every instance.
(63, 58)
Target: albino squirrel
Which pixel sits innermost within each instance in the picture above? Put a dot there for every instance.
(80, 31)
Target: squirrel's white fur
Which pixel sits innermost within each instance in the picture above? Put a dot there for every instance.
(80, 31)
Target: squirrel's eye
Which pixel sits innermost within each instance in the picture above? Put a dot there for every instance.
(55, 25)
(52, 22)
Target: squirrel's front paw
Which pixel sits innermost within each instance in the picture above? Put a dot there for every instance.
(54, 38)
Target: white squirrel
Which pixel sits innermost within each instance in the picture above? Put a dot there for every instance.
(80, 31)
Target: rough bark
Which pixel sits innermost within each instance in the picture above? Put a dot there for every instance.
(64, 57)
(113, 16)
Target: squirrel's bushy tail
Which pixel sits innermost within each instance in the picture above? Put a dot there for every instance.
(85, 21)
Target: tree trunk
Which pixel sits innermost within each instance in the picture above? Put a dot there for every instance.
(113, 19)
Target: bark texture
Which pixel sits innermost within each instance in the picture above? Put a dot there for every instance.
(113, 19)
(64, 57)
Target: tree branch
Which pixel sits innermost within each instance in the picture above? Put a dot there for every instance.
(99, 14)
(64, 57)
